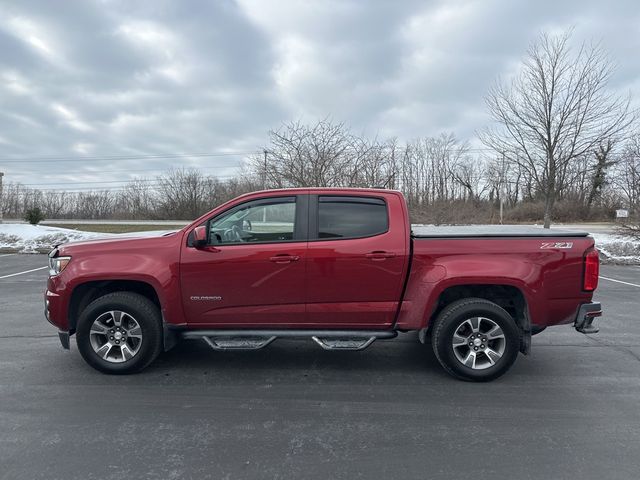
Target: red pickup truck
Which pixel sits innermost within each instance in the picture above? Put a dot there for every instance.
(339, 266)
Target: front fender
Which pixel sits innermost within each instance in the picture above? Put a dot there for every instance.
(152, 261)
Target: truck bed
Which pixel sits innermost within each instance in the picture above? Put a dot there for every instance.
(491, 231)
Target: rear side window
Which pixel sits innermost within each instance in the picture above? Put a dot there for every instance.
(351, 217)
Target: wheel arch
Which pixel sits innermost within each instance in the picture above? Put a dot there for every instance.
(85, 293)
(509, 297)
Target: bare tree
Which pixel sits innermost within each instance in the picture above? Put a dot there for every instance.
(555, 111)
(12, 198)
(628, 175)
(628, 182)
(324, 154)
(468, 172)
(54, 203)
(598, 178)
(425, 169)
(136, 200)
(95, 204)
(186, 193)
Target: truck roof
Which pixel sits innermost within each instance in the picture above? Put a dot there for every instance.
(356, 190)
(449, 231)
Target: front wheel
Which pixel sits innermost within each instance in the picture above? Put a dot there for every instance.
(475, 339)
(120, 333)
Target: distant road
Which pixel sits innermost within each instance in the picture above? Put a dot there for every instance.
(599, 227)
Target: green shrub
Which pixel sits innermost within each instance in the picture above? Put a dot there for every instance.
(34, 215)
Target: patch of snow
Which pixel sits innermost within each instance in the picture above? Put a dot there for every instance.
(31, 238)
(38, 238)
(617, 248)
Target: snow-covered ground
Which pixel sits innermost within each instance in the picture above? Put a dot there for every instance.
(617, 249)
(34, 238)
(26, 238)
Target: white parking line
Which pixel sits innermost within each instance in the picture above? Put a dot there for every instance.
(21, 273)
(7, 254)
(611, 280)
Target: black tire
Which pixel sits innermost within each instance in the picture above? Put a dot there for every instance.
(145, 313)
(452, 318)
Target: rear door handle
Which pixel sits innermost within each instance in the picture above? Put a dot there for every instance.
(379, 255)
(285, 258)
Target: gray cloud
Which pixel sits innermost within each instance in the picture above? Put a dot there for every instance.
(81, 78)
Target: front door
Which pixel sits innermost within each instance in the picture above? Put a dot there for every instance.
(252, 271)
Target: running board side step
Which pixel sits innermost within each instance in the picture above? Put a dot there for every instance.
(247, 343)
(344, 343)
(256, 339)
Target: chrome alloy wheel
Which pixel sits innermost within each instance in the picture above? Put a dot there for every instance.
(115, 336)
(478, 343)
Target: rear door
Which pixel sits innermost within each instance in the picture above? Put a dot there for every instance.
(356, 260)
(252, 272)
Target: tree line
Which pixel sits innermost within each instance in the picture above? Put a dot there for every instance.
(562, 146)
(442, 179)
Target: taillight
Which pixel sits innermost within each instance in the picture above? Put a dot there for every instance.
(591, 270)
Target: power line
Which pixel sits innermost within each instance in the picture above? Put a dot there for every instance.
(116, 188)
(130, 180)
(160, 156)
(96, 188)
(124, 185)
(160, 169)
(125, 157)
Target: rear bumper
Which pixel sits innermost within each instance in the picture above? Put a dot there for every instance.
(586, 314)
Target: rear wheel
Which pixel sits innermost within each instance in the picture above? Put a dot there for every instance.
(475, 339)
(120, 333)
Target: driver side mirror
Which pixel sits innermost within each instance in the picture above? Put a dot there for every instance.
(200, 236)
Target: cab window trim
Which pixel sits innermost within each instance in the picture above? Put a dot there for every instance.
(300, 222)
(314, 217)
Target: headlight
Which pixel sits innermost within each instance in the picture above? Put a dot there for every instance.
(58, 264)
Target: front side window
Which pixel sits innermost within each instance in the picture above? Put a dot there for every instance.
(351, 217)
(261, 221)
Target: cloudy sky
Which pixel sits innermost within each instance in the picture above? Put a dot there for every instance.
(82, 81)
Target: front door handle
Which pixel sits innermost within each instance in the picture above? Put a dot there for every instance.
(379, 255)
(284, 258)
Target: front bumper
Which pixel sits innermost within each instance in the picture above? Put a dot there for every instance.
(54, 314)
(64, 339)
(586, 314)
(53, 310)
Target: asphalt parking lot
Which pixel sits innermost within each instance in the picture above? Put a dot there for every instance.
(569, 410)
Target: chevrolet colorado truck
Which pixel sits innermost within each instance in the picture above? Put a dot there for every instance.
(339, 266)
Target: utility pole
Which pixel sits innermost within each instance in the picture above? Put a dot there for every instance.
(264, 172)
(1, 197)
(502, 186)
(264, 185)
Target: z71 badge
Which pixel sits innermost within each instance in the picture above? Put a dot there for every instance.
(546, 245)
